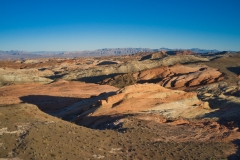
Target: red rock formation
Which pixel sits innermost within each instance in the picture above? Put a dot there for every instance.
(175, 76)
(52, 96)
(140, 98)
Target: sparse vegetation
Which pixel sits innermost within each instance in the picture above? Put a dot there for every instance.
(29, 130)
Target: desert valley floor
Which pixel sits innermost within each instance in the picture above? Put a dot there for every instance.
(141, 106)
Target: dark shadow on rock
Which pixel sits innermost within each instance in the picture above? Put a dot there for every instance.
(221, 53)
(42, 69)
(146, 57)
(215, 54)
(82, 108)
(222, 109)
(235, 93)
(235, 70)
(107, 63)
(96, 79)
(155, 80)
(76, 110)
(228, 114)
(103, 122)
(180, 52)
(48, 103)
(236, 156)
(56, 76)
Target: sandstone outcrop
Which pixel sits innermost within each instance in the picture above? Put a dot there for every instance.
(153, 56)
(133, 66)
(201, 77)
(150, 98)
(16, 76)
(175, 76)
(134, 99)
(224, 99)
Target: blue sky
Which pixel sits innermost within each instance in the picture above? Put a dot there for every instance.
(75, 25)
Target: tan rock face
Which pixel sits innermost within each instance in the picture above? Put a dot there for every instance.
(149, 98)
(157, 55)
(135, 99)
(17, 76)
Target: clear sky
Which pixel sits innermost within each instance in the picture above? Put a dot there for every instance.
(75, 25)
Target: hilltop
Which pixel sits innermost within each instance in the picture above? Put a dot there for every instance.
(15, 54)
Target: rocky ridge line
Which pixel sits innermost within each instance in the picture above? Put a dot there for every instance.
(133, 66)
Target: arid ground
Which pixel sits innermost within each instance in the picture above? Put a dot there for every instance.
(177, 105)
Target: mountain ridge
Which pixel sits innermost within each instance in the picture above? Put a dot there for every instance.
(17, 54)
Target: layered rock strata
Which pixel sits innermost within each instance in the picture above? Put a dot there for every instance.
(175, 77)
(133, 66)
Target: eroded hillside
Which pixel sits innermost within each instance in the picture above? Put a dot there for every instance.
(154, 106)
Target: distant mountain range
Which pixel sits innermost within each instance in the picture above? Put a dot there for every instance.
(15, 54)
